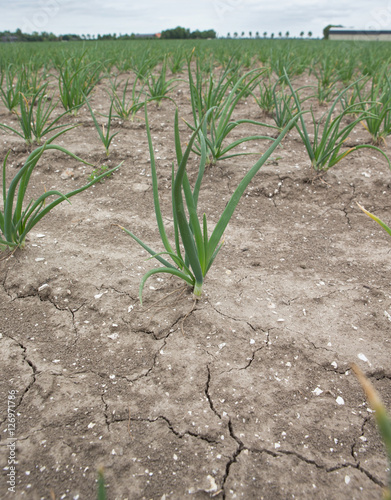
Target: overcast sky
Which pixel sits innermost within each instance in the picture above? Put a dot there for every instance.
(152, 16)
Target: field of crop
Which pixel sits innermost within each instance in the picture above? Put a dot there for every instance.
(219, 182)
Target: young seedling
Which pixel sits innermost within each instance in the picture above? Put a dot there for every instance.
(265, 100)
(14, 84)
(208, 93)
(17, 219)
(284, 105)
(104, 135)
(158, 86)
(329, 135)
(77, 80)
(194, 250)
(218, 124)
(125, 108)
(377, 108)
(34, 117)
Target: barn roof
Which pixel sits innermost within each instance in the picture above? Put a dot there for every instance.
(359, 32)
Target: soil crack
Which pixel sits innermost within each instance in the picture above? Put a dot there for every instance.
(33, 375)
(105, 412)
(234, 457)
(208, 396)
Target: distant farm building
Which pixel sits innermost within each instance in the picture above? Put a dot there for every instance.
(151, 35)
(364, 35)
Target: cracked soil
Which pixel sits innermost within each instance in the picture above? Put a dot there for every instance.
(246, 394)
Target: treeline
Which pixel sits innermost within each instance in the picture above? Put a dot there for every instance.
(19, 36)
(44, 36)
(184, 33)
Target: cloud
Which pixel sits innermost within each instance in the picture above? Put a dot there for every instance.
(148, 16)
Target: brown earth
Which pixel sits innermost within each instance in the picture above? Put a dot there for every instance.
(247, 393)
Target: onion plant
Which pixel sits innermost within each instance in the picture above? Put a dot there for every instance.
(284, 60)
(377, 104)
(193, 251)
(11, 86)
(124, 107)
(34, 76)
(325, 73)
(243, 85)
(284, 106)
(218, 125)
(143, 63)
(207, 93)
(76, 80)
(353, 95)
(17, 217)
(158, 85)
(177, 61)
(383, 419)
(266, 99)
(34, 117)
(346, 68)
(326, 148)
(103, 132)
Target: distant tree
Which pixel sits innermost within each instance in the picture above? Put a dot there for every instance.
(287, 34)
(327, 29)
(272, 35)
(235, 35)
(257, 34)
(228, 35)
(301, 34)
(310, 34)
(264, 34)
(242, 35)
(176, 33)
(250, 34)
(280, 34)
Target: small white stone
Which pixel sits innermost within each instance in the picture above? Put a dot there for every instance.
(318, 391)
(362, 357)
(387, 315)
(347, 479)
(340, 400)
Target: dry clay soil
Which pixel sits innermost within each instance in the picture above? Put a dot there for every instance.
(247, 393)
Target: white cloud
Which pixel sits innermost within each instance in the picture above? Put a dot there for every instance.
(122, 16)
